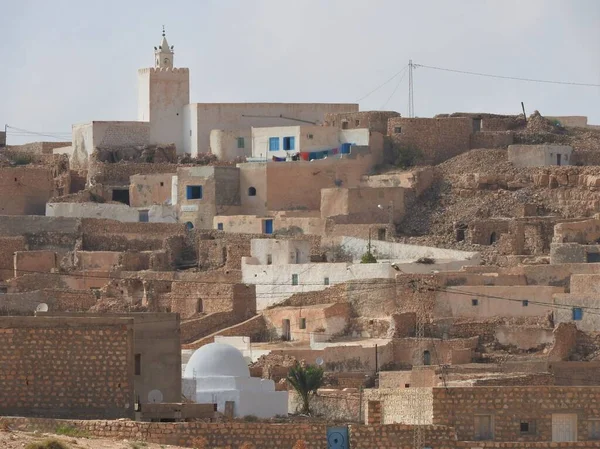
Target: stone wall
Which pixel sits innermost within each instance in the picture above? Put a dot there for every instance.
(492, 139)
(253, 328)
(35, 262)
(438, 139)
(9, 246)
(25, 190)
(372, 120)
(66, 367)
(224, 435)
(509, 406)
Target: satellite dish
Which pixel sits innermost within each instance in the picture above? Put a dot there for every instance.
(42, 307)
(319, 361)
(155, 397)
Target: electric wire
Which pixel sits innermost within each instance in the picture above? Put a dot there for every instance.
(515, 78)
(382, 84)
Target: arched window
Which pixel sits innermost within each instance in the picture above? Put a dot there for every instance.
(251, 191)
(493, 238)
(189, 226)
(199, 306)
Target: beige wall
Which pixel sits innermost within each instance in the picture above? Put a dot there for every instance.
(225, 145)
(361, 204)
(493, 301)
(146, 190)
(202, 118)
(330, 319)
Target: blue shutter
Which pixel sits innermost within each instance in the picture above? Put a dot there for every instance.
(292, 143)
(577, 313)
(273, 143)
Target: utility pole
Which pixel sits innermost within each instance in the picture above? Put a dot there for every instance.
(411, 99)
(418, 396)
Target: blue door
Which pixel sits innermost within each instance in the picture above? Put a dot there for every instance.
(269, 226)
(337, 438)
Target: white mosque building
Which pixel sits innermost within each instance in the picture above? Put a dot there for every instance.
(221, 374)
(166, 116)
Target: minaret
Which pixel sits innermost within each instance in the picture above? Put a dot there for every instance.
(163, 94)
(163, 55)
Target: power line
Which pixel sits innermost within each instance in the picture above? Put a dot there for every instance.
(516, 78)
(394, 91)
(382, 84)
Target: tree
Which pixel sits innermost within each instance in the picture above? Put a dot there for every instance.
(306, 380)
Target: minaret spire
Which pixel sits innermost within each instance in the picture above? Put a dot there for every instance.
(163, 55)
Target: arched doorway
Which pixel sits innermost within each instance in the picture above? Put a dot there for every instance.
(493, 238)
(426, 358)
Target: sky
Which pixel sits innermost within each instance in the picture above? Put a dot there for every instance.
(67, 61)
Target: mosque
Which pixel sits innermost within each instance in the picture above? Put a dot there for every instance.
(221, 374)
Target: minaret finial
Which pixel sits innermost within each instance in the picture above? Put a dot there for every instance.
(163, 31)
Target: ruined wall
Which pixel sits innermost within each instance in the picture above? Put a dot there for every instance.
(190, 298)
(110, 235)
(510, 405)
(25, 190)
(372, 120)
(9, 246)
(492, 139)
(66, 367)
(146, 190)
(253, 328)
(438, 139)
(35, 262)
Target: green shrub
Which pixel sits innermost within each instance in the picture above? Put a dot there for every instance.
(70, 431)
(368, 257)
(250, 418)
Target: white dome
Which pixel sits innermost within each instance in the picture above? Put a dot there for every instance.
(215, 360)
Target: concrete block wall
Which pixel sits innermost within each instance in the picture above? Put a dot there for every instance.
(66, 367)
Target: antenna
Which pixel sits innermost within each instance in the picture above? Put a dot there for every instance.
(411, 98)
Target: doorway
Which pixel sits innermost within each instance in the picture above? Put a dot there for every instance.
(286, 330)
(426, 358)
(564, 427)
(558, 159)
(121, 195)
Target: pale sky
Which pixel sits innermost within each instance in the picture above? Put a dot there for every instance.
(67, 61)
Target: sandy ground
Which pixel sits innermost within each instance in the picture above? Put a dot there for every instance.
(18, 440)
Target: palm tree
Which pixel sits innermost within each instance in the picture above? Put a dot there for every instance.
(306, 380)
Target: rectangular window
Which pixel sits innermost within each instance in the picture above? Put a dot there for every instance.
(357, 123)
(474, 302)
(144, 216)
(525, 303)
(138, 364)
(577, 313)
(302, 323)
(240, 142)
(326, 281)
(483, 427)
(527, 427)
(289, 143)
(309, 136)
(194, 192)
(219, 226)
(594, 429)
(273, 143)
(294, 279)
(398, 130)
(269, 259)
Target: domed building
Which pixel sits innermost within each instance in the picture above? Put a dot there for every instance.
(221, 374)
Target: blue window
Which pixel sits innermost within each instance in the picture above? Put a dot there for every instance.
(220, 226)
(240, 142)
(289, 143)
(194, 192)
(273, 143)
(294, 279)
(577, 313)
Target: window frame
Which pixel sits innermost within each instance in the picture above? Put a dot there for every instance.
(274, 143)
(289, 143)
(295, 279)
(241, 143)
(189, 192)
